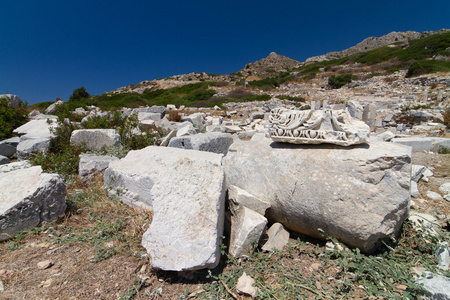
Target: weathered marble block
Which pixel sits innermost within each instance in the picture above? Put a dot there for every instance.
(359, 194)
(316, 127)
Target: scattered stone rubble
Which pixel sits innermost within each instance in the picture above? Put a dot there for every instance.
(357, 190)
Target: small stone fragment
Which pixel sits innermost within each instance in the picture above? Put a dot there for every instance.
(45, 264)
(443, 256)
(434, 286)
(48, 283)
(245, 285)
(445, 188)
(315, 266)
(278, 238)
(433, 195)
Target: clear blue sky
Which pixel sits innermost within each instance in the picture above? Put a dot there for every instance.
(49, 48)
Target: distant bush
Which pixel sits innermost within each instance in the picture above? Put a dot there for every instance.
(392, 70)
(447, 117)
(339, 81)
(174, 116)
(427, 66)
(10, 118)
(79, 94)
(239, 93)
(198, 95)
(292, 98)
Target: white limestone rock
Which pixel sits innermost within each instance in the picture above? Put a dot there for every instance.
(245, 285)
(166, 140)
(24, 164)
(4, 160)
(414, 189)
(28, 198)
(41, 127)
(149, 116)
(423, 223)
(196, 119)
(238, 196)
(95, 139)
(417, 172)
(358, 194)
(211, 142)
(185, 190)
(188, 129)
(35, 136)
(148, 124)
(434, 286)
(32, 144)
(433, 195)
(91, 165)
(445, 188)
(443, 256)
(52, 107)
(8, 147)
(247, 227)
(278, 237)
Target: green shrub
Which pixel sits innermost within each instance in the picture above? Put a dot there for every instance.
(198, 95)
(292, 98)
(10, 118)
(392, 70)
(426, 67)
(339, 81)
(41, 106)
(79, 94)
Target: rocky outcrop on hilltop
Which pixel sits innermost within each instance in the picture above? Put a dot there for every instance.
(371, 43)
(170, 82)
(273, 63)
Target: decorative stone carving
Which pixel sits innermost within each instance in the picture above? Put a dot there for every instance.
(316, 127)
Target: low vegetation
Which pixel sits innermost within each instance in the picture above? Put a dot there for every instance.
(63, 158)
(10, 118)
(416, 57)
(339, 81)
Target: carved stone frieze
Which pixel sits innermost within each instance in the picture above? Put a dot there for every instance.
(316, 127)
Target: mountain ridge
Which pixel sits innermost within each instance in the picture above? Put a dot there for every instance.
(372, 42)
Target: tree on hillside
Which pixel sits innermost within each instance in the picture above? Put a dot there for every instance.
(79, 93)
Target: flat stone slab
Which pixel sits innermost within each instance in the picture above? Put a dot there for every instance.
(215, 142)
(185, 189)
(358, 194)
(90, 165)
(423, 143)
(95, 139)
(28, 198)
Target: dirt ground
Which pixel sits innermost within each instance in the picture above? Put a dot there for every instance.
(76, 274)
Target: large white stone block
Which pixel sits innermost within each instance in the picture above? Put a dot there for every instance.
(185, 189)
(358, 194)
(28, 198)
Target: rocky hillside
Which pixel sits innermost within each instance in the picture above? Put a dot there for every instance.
(371, 43)
(266, 67)
(274, 63)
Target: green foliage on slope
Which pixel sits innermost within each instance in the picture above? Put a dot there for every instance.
(10, 118)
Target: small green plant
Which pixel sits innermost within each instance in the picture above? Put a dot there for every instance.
(339, 81)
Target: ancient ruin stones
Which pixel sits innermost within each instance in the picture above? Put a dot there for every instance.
(316, 127)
